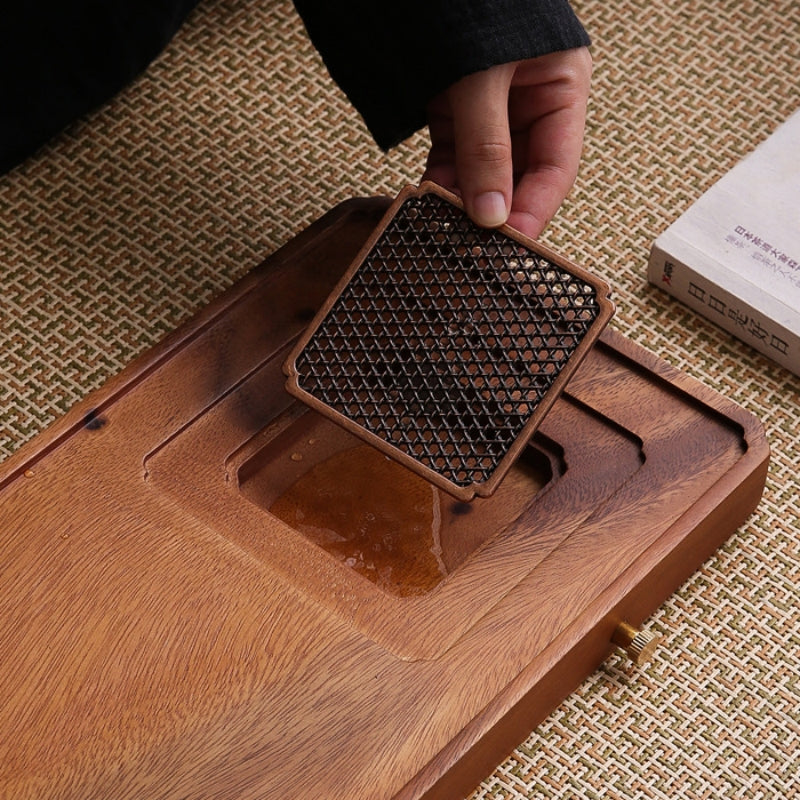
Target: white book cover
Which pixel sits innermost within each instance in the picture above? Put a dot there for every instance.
(734, 255)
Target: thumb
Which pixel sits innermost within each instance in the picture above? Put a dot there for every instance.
(484, 170)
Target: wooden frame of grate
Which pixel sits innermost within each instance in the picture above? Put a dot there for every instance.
(445, 344)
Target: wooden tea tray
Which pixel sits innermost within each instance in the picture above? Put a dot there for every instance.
(185, 611)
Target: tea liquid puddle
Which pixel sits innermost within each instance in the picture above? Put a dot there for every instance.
(377, 517)
(372, 514)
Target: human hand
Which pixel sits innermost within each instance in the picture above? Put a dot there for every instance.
(509, 139)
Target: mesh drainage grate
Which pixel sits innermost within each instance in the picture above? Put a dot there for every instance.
(446, 343)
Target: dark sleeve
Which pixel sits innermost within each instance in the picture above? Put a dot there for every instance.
(391, 58)
(60, 60)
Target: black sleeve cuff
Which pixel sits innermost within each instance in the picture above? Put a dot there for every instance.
(390, 59)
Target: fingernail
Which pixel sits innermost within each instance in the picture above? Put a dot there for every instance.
(490, 209)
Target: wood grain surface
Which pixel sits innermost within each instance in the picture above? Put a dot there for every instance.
(165, 635)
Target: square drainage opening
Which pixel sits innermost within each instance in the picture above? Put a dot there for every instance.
(372, 514)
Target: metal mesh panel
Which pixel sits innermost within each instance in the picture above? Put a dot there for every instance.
(446, 339)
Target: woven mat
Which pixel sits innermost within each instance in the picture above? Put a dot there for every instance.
(235, 139)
